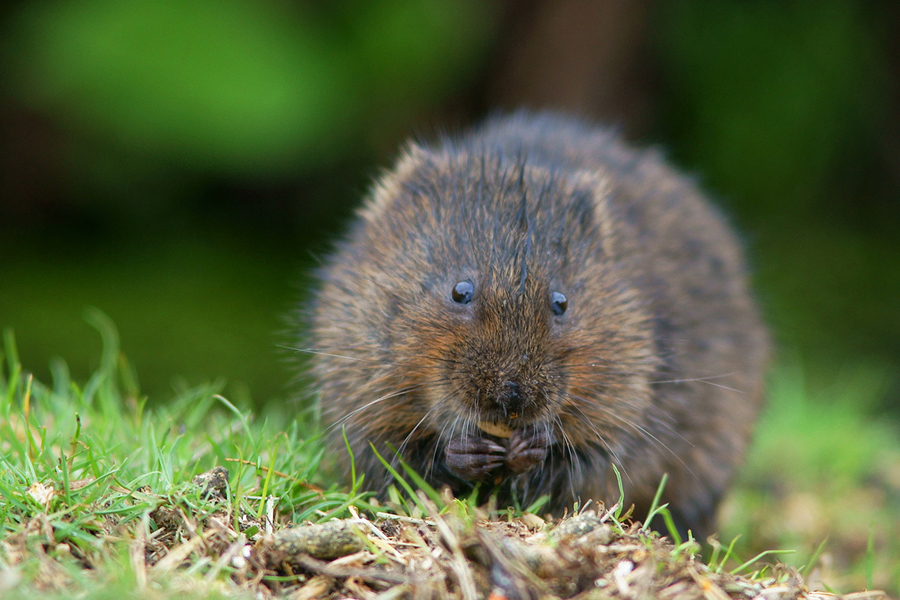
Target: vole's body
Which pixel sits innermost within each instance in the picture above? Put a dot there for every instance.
(653, 360)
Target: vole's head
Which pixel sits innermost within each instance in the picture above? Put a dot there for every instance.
(503, 351)
(492, 287)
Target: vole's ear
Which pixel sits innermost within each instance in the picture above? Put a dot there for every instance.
(598, 185)
(389, 186)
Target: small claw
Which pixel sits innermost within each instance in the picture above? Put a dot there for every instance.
(474, 458)
(474, 445)
(527, 449)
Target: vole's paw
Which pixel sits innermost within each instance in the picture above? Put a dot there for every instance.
(528, 448)
(473, 458)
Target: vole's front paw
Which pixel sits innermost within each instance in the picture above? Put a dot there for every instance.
(473, 458)
(528, 448)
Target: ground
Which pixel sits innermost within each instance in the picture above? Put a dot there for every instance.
(103, 495)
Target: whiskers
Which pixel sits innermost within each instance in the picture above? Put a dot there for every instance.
(631, 431)
(387, 396)
(430, 465)
(706, 380)
(574, 472)
(376, 360)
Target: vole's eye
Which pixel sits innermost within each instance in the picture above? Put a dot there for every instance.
(462, 292)
(560, 304)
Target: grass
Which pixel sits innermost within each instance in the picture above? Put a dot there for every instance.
(100, 495)
(85, 469)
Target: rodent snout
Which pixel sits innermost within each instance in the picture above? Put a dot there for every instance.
(507, 396)
(511, 397)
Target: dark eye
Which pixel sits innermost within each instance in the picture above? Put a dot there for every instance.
(462, 292)
(560, 304)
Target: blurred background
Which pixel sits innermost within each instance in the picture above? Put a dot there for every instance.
(180, 165)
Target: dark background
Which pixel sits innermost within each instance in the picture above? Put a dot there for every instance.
(179, 165)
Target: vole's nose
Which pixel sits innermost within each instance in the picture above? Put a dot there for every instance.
(510, 397)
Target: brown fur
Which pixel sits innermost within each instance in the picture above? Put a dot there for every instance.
(656, 366)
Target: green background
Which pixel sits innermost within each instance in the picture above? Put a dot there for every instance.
(181, 165)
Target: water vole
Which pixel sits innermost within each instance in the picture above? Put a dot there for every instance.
(531, 303)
